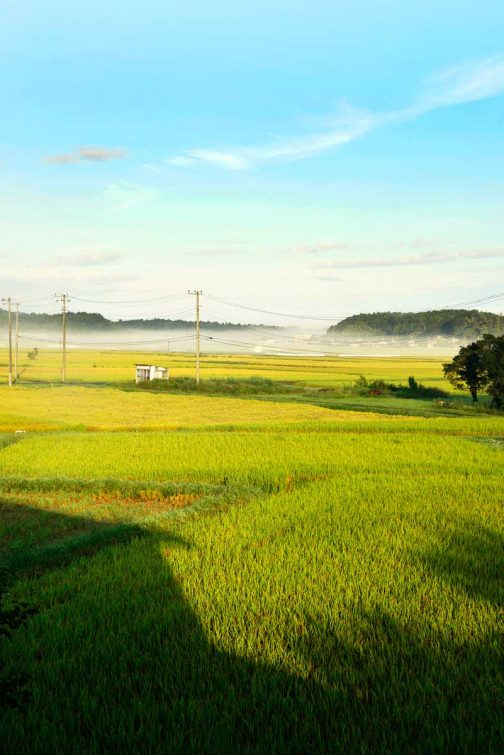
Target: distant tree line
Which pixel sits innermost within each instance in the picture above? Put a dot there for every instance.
(85, 321)
(461, 323)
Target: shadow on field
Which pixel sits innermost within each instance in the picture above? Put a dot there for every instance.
(473, 560)
(121, 662)
(33, 540)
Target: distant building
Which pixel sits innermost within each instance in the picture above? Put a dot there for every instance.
(151, 372)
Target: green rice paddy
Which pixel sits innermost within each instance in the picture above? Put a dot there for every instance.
(267, 584)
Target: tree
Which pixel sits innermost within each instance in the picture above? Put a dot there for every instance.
(494, 360)
(468, 370)
(479, 367)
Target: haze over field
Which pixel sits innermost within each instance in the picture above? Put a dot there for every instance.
(387, 333)
(293, 343)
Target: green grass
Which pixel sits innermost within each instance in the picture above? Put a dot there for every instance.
(361, 395)
(232, 572)
(46, 523)
(346, 596)
(251, 386)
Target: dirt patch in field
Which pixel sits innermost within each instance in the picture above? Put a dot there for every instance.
(146, 501)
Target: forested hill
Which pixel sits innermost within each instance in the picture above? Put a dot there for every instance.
(461, 323)
(92, 321)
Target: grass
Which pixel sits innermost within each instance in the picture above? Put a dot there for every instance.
(258, 580)
(246, 457)
(48, 522)
(117, 367)
(104, 408)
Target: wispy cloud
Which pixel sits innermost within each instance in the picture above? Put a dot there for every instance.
(180, 161)
(469, 82)
(417, 244)
(66, 158)
(123, 196)
(216, 252)
(427, 258)
(86, 257)
(328, 278)
(82, 154)
(322, 246)
(294, 149)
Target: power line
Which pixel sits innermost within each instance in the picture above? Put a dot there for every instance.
(260, 345)
(472, 302)
(124, 318)
(337, 318)
(170, 297)
(109, 343)
(275, 333)
(277, 314)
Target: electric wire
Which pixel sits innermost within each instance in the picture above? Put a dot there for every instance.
(109, 343)
(269, 312)
(169, 297)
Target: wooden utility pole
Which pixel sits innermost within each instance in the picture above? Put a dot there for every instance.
(197, 294)
(9, 325)
(63, 299)
(16, 351)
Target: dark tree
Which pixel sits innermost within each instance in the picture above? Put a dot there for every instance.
(494, 360)
(479, 367)
(468, 369)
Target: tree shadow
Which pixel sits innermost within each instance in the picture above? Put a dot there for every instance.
(122, 662)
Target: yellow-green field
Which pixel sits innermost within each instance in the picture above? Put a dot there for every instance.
(95, 408)
(119, 366)
(221, 574)
(41, 408)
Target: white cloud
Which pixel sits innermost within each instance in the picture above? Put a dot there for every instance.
(86, 259)
(95, 154)
(240, 158)
(469, 82)
(67, 158)
(179, 161)
(101, 153)
(427, 258)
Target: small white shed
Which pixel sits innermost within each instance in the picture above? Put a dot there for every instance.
(151, 372)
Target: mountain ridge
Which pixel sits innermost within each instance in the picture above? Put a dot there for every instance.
(80, 321)
(465, 323)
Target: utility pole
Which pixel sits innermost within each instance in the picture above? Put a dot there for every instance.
(16, 352)
(63, 299)
(197, 294)
(9, 325)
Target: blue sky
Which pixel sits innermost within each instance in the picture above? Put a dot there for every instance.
(312, 157)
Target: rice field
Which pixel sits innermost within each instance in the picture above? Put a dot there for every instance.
(87, 366)
(85, 408)
(247, 576)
